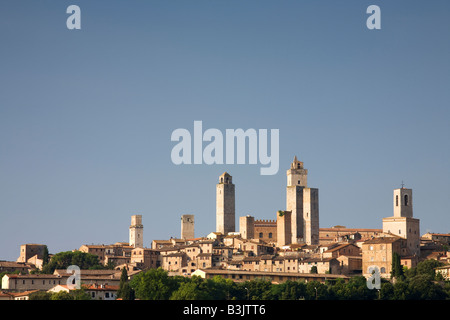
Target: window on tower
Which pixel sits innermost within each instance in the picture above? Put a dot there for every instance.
(406, 199)
(396, 200)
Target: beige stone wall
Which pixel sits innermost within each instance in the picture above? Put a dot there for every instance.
(145, 258)
(31, 282)
(284, 236)
(379, 252)
(247, 227)
(306, 265)
(408, 228)
(29, 250)
(265, 230)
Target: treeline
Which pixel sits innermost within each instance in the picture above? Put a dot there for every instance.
(63, 260)
(420, 282)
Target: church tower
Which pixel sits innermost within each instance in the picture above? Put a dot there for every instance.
(402, 222)
(225, 205)
(303, 203)
(136, 232)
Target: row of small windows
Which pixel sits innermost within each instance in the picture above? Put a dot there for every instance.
(43, 281)
(261, 235)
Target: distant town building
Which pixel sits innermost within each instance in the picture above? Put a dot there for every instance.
(187, 226)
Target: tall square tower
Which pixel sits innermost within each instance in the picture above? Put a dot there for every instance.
(303, 203)
(187, 226)
(225, 205)
(136, 232)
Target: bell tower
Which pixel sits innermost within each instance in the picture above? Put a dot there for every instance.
(402, 223)
(136, 232)
(297, 175)
(225, 205)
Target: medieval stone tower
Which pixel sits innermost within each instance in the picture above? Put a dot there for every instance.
(303, 203)
(247, 227)
(402, 222)
(136, 232)
(225, 205)
(187, 226)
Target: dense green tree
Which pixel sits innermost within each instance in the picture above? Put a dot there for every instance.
(358, 290)
(258, 289)
(195, 289)
(397, 268)
(316, 291)
(428, 267)
(416, 284)
(80, 294)
(45, 257)
(422, 287)
(62, 260)
(401, 290)
(62, 295)
(125, 291)
(224, 289)
(337, 290)
(154, 284)
(386, 291)
(40, 295)
(289, 290)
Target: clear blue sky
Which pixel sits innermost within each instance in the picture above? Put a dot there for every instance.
(86, 115)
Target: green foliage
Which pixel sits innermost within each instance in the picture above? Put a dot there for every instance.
(289, 290)
(62, 260)
(45, 257)
(40, 295)
(125, 291)
(426, 267)
(416, 283)
(154, 284)
(79, 294)
(258, 289)
(397, 269)
(316, 291)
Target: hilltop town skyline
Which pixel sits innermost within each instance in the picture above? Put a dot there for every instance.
(175, 232)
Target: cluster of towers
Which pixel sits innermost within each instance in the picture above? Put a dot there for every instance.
(298, 223)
